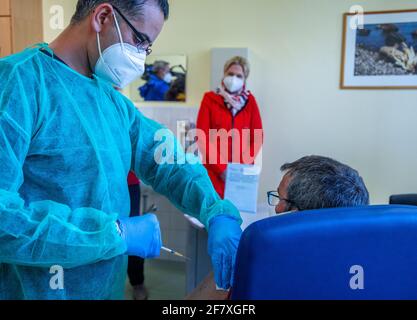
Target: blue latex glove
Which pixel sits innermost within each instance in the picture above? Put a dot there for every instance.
(223, 242)
(142, 236)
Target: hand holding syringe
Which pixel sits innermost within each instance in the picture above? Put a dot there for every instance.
(153, 209)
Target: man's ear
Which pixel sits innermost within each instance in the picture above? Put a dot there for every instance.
(101, 16)
(291, 208)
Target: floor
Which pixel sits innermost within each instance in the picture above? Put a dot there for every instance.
(165, 280)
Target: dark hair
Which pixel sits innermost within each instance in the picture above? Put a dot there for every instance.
(320, 182)
(132, 8)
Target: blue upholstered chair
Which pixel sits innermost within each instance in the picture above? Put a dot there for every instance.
(356, 253)
(404, 199)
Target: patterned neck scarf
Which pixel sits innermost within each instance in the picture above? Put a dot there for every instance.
(234, 102)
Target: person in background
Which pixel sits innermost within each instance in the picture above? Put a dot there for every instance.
(230, 107)
(316, 182)
(136, 265)
(158, 84)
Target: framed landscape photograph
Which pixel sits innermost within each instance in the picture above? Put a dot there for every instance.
(382, 52)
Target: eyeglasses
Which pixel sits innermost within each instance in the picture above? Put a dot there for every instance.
(274, 199)
(144, 43)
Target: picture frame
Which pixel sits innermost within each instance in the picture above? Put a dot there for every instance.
(151, 89)
(381, 53)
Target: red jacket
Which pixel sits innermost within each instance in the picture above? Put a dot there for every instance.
(214, 114)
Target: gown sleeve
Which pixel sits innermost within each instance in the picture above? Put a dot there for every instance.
(45, 233)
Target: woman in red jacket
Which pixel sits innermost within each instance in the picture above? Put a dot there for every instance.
(231, 123)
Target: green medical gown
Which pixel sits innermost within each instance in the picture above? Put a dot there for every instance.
(67, 143)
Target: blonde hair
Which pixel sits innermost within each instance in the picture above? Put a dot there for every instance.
(240, 61)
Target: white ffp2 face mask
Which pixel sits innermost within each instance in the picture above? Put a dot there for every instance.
(168, 77)
(121, 63)
(233, 84)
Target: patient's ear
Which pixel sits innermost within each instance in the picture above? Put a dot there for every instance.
(292, 209)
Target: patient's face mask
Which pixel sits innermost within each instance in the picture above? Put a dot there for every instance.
(121, 63)
(233, 84)
(168, 77)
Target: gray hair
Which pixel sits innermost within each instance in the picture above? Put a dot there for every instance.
(132, 8)
(320, 182)
(159, 65)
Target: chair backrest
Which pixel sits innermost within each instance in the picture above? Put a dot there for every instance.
(404, 199)
(337, 254)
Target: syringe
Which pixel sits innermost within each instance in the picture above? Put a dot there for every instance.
(175, 253)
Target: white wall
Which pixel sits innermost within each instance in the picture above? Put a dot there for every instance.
(296, 46)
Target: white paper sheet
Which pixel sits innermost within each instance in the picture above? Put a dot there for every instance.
(242, 185)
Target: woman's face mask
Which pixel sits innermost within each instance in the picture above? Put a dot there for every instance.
(233, 84)
(168, 77)
(121, 63)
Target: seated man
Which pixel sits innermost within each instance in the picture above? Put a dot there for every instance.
(316, 182)
(158, 83)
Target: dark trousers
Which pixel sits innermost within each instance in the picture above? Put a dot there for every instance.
(136, 265)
